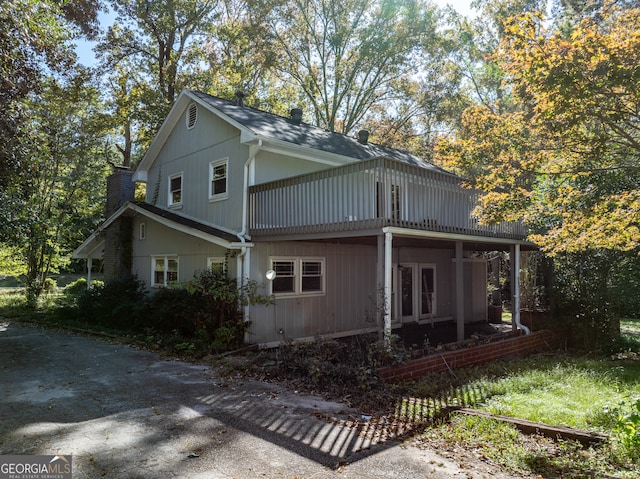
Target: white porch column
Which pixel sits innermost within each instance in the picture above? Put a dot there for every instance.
(388, 251)
(380, 295)
(516, 284)
(459, 290)
(89, 268)
(515, 289)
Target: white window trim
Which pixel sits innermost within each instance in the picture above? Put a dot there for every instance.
(417, 290)
(219, 196)
(166, 258)
(177, 204)
(297, 276)
(216, 260)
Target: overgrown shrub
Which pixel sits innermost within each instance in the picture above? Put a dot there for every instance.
(627, 430)
(587, 297)
(117, 304)
(202, 316)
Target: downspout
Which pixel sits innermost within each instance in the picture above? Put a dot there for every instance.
(515, 264)
(242, 262)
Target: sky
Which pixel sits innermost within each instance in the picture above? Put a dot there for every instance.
(87, 57)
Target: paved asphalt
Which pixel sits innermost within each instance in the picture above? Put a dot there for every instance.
(127, 413)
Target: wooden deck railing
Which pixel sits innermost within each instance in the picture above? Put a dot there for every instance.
(366, 195)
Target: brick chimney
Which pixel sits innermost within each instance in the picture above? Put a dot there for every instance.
(120, 189)
(118, 235)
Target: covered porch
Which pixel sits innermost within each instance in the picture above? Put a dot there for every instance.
(395, 206)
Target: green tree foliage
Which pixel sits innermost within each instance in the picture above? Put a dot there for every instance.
(567, 159)
(31, 39)
(56, 203)
(346, 56)
(147, 52)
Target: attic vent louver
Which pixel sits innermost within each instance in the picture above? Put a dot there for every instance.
(363, 136)
(240, 98)
(296, 115)
(192, 115)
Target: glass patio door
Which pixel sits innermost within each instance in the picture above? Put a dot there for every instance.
(417, 298)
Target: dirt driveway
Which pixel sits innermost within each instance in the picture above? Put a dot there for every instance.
(126, 413)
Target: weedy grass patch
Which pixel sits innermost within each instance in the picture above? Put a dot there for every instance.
(593, 394)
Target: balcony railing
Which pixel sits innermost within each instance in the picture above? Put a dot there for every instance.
(368, 195)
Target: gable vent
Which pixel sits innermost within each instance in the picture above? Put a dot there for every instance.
(192, 115)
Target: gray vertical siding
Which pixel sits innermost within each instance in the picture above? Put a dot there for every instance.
(347, 306)
(191, 152)
(160, 240)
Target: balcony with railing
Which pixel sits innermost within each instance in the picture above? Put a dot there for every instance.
(369, 195)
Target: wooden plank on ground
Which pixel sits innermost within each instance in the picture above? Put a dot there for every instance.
(530, 427)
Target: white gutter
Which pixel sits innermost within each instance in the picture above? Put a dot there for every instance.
(241, 265)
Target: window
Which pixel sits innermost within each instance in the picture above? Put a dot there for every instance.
(175, 190)
(311, 276)
(192, 116)
(388, 201)
(298, 276)
(217, 264)
(143, 230)
(164, 270)
(218, 180)
(427, 290)
(284, 282)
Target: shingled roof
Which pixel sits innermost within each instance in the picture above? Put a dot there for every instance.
(275, 127)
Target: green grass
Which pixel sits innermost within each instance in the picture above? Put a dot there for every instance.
(581, 392)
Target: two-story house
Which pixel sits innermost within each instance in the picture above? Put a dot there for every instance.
(347, 236)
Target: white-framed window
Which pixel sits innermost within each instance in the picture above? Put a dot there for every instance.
(218, 185)
(164, 270)
(416, 297)
(217, 264)
(143, 230)
(298, 276)
(191, 116)
(175, 190)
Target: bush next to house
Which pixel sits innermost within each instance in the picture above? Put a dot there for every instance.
(203, 315)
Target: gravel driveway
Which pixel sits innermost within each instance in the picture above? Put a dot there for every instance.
(126, 413)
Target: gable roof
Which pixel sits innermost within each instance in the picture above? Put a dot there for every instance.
(280, 132)
(92, 247)
(270, 126)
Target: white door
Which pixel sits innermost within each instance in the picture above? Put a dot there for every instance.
(417, 298)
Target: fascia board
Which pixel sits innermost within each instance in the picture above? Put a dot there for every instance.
(305, 153)
(85, 250)
(453, 236)
(182, 228)
(140, 173)
(174, 116)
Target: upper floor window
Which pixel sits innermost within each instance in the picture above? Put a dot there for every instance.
(218, 174)
(175, 190)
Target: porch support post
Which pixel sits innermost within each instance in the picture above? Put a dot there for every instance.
(515, 285)
(89, 267)
(388, 251)
(380, 299)
(459, 290)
